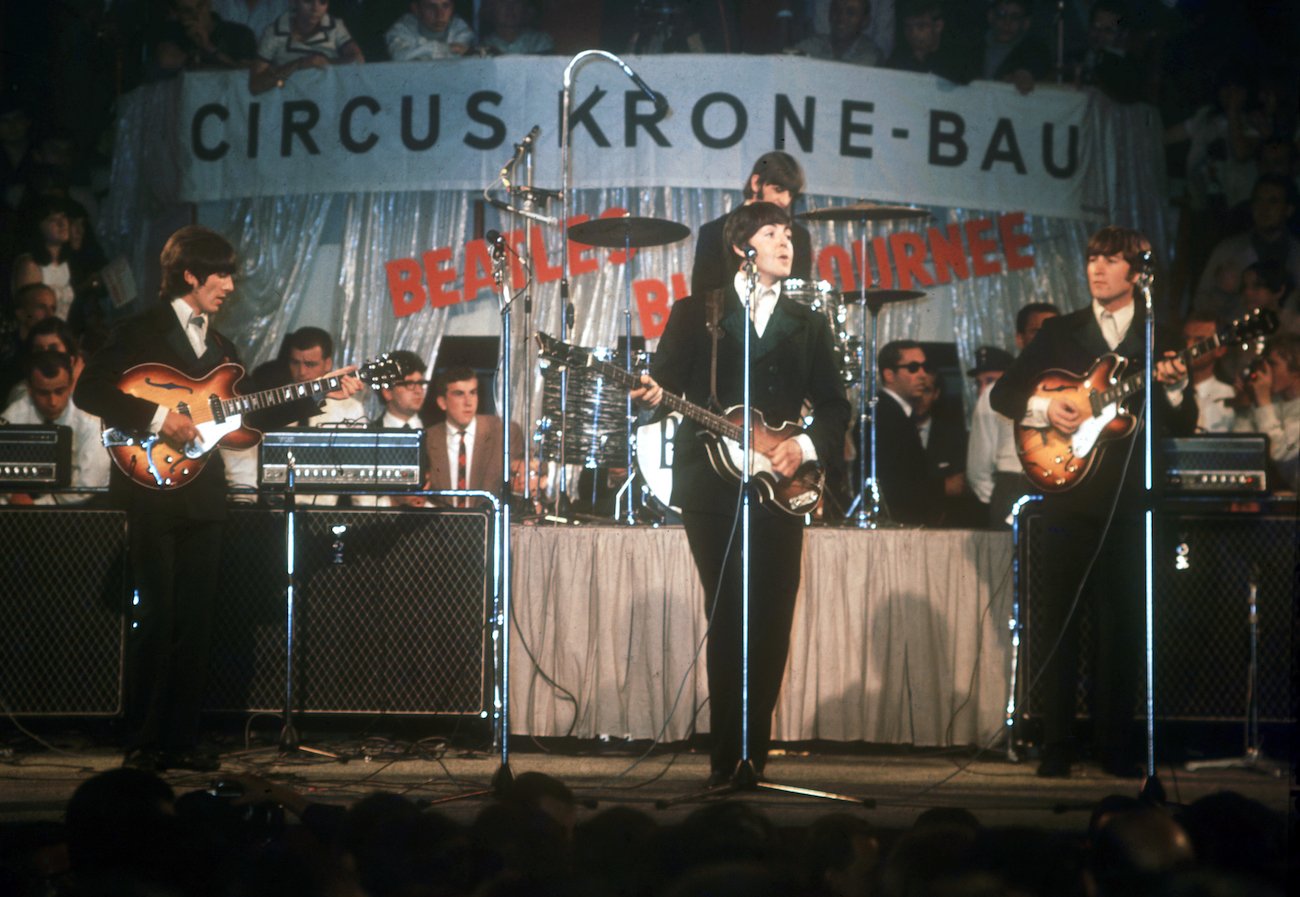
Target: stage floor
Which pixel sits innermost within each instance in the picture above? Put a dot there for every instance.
(900, 782)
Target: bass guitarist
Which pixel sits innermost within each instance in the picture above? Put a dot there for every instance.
(1092, 538)
(174, 536)
(793, 361)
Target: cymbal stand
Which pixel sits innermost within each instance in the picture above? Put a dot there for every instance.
(1254, 757)
(628, 508)
(868, 509)
(746, 777)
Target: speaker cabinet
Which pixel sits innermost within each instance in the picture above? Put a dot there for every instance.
(391, 612)
(62, 622)
(1205, 562)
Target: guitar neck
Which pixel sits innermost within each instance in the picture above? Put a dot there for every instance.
(715, 423)
(1133, 383)
(280, 395)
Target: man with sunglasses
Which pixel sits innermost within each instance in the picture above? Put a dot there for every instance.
(910, 494)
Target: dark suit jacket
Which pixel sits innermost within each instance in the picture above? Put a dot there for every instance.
(715, 264)
(793, 361)
(155, 336)
(485, 461)
(911, 494)
(1073, 343)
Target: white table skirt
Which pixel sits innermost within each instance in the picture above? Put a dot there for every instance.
(900, 636)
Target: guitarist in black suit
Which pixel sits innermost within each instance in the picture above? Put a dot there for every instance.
(175, 536)
(793, 361)
(1103, 514)
(776, 178)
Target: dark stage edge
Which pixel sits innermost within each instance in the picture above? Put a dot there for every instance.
(38, 781)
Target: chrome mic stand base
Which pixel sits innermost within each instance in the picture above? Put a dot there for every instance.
(747, 780)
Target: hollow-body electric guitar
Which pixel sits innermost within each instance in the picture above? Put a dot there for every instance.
(217, 411)
(723, 434)
(1056, 461)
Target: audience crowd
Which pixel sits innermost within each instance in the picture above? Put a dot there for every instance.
(1221, 75)
(125, 832)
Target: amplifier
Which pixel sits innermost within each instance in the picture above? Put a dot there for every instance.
(1216, 463)
(343, 460)
(35, 454)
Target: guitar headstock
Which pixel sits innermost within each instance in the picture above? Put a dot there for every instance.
(381, 372)
(555, 350)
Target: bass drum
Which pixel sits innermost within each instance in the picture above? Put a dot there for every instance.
(654, 463)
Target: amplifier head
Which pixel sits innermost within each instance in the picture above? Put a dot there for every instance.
(35, 454)
(1216, 463)
(343, 460)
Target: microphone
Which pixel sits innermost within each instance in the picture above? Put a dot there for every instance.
(497, 242)
(1143, 265)
(660, 103)
(750, 253)
(520, 148)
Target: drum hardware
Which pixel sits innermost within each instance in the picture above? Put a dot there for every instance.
(867, 508)
(628, 233)
(823, 298)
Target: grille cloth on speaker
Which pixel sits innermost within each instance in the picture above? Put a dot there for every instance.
(61, 614)
(1203, 565)
(391, 613)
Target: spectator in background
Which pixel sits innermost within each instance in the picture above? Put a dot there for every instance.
(848, 39)
(49, 379)
(255, 15)
(910, 495)
(305, 37)
(1012, 52)
(512, 32)
(194, 37)
(1213, 396)
(924, 47)
(1273, 388)
(15, 142)
(50, 335)
(430, 29)
(943, 437)
(1105, 62)
(1272, 203)
(43, 240)
(1268, 285)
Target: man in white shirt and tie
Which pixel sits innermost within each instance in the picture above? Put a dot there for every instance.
(402, 403)
(465, 449)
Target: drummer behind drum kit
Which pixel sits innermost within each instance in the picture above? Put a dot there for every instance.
(584, 421)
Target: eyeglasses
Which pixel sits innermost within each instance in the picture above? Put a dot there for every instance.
(412, 384)
(913, 366)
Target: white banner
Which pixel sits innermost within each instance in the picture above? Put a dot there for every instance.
(451, 125)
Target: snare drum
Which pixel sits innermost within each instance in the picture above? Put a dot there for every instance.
(654, 461)
(824, 299)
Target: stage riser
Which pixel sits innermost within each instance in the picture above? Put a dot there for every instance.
(1203, 564)
(392, 613)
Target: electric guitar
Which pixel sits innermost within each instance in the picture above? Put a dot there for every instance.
(216, 409)
(1056, 461)
(723, 434)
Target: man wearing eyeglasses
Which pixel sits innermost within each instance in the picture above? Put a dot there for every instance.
(911, 495)
(402, 403)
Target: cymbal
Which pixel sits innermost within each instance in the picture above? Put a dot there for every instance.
(615, 233)
(881, 297)
(865, 211)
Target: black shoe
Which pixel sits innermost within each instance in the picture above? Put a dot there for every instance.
(193, 759)
(717, 778)
(144, 759)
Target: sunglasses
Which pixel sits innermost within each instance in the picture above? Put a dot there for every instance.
(913, 366)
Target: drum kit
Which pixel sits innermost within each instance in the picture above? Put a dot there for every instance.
(585, 420)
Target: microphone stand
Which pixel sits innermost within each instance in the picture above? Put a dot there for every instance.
(566, 198)
(1152, 789)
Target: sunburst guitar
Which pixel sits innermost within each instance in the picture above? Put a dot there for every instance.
(217, 409)
(1056, 461)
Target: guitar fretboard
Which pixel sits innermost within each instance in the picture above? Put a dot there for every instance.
(280, 395)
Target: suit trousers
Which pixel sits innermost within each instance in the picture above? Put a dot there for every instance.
(1113, 598)
(775, 558)
(176, 562)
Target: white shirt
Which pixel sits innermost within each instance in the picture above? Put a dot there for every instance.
(278, 46)
(392, 421)
(1213, 413)
(256, 20)
(1280, 422)
(453, 450)
(408, 42)
(991, 448)
(90, 462)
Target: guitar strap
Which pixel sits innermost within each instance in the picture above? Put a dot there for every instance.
(713, 311)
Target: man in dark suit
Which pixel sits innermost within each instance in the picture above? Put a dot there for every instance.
(911, 495)
(465, 449)
(776, 178)
(793, 361)
(1093, 533)
(175, 535)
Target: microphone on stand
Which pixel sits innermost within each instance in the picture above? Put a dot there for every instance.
(520, 148)
(661, 105)
(497, 242)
